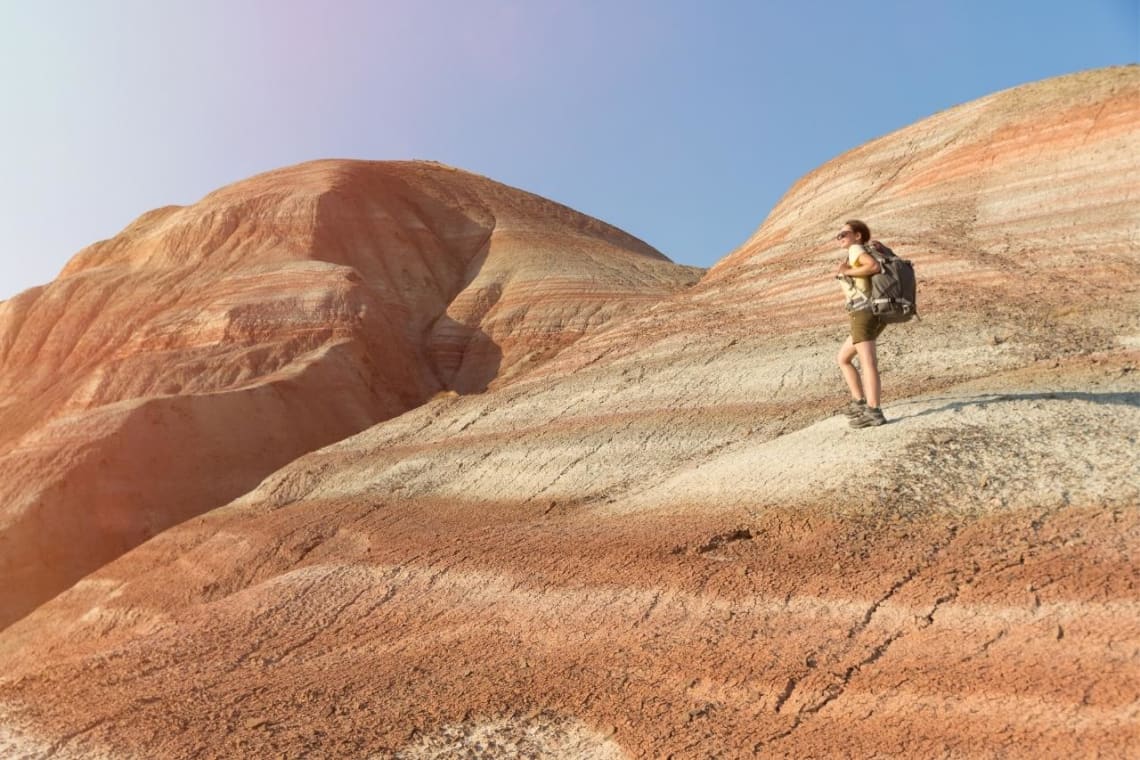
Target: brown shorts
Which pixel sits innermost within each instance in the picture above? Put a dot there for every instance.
(865, 326)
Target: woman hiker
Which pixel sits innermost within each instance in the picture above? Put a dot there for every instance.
(854, 275)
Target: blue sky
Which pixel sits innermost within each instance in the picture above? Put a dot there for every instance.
(680, 122)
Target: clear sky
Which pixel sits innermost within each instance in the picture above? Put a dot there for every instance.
(681, 122)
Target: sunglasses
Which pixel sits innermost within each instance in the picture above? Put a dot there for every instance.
(843, 233)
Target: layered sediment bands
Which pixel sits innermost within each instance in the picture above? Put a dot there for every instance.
(1022, 202)
(1029, 179)
(519, 309)
(172, 367)
(660, 540)
(343, 628)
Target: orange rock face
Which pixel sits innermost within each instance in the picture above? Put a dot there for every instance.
(650, 536)
(172, 367)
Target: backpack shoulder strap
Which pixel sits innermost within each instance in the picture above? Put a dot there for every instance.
(874, 249)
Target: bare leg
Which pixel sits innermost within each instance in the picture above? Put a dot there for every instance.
(869, 364)
(850, 374)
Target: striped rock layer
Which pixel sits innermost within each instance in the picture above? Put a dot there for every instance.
(660, 541)
(171, 368)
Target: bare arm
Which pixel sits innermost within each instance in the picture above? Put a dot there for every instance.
(864, 267)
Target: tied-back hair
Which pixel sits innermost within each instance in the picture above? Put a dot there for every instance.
(861, 229)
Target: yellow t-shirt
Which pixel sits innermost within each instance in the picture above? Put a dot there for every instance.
(855, 288)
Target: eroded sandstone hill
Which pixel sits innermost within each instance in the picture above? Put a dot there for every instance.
(661, 542)
(172, 367)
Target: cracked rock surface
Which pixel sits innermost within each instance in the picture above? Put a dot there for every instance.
(657, 539)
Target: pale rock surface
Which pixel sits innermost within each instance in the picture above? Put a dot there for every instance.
(662, 542)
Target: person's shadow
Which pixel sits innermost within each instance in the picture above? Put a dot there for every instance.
(1128, 399)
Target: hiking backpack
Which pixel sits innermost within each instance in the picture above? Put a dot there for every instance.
(894, 291)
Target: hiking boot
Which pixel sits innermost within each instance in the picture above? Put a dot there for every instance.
(854, 409)
(871, 417)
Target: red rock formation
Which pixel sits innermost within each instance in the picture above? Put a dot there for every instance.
(1007, 203)
(661, 541)
(172, 367)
